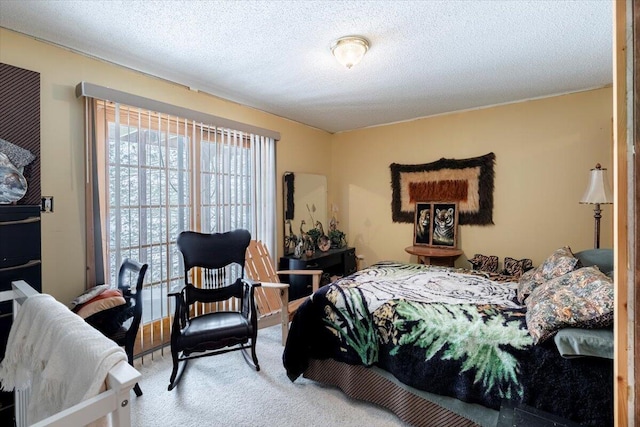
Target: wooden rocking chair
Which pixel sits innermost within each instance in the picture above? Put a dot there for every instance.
(272, 298)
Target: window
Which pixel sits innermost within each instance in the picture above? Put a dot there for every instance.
(158, 175)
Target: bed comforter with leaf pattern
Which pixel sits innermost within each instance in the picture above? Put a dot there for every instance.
(447, 331)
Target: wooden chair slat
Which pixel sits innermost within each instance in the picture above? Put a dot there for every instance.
(270, 301)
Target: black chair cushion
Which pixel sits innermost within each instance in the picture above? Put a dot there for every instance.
(215, 330)
(120, 336)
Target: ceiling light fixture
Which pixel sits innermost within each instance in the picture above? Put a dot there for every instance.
(350, 50)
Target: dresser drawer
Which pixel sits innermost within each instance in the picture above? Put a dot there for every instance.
(315, 263)
(19, 235)
(30, 272)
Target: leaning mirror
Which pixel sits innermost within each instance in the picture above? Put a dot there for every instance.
(305, 206)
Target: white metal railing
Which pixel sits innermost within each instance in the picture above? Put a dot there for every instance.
(113, 401)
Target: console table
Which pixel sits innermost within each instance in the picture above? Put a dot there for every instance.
(434, 256)
(334, 262)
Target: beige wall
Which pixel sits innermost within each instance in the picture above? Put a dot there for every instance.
(544, 150)
(301, 148)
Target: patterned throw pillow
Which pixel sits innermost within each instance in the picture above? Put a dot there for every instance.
(516, 267)
(582, 298)
(18, 156)
(106, 300)
(87, 295)
(485, 263)
(560, 262)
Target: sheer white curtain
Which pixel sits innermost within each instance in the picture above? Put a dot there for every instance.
(264, 206)
(238, 183)
(225, 181)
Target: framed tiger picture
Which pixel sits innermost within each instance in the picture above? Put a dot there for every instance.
(422, 224)
(436, 224)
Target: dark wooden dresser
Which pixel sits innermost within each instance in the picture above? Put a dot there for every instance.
(19, 224)
(20, 251)
(334, 262)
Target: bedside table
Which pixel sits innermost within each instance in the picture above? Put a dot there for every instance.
(434, 256)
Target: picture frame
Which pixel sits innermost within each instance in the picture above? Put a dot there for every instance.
(444, 230)
(422, 224)
(436, 224)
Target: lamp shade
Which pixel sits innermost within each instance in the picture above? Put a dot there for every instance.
(598, 191)
(349, 50)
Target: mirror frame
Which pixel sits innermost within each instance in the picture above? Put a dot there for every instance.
(311, 207)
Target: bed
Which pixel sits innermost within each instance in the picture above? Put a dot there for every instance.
(446, 346)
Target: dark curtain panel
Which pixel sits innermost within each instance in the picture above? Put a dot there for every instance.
(95, 260)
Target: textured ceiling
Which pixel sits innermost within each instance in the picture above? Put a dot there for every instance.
(426, 57)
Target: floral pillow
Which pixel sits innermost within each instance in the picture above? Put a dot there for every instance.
(582, 298)
(516, 267)
(485, 263)
(560, 262)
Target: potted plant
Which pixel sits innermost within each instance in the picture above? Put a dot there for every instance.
(314, 234)
(338, 238)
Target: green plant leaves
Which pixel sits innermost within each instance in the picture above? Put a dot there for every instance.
(349, 317)
(463, 333)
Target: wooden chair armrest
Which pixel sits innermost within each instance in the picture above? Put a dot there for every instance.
(300, 272)
(275, 285)
(317, 274)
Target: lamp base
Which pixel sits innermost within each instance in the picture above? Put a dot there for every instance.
(597, 214)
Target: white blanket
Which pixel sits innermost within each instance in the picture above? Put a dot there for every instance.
(55, 352)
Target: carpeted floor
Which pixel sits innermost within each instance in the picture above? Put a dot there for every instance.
(224, 390)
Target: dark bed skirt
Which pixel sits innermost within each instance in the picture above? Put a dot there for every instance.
(371, 385)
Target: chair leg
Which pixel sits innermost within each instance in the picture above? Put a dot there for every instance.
(128, 348)
(137, 390)
(284, 322)
(253, 353)
(284, 314)
(175, 375)
(253, 359)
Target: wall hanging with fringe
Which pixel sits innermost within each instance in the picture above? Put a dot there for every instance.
(466, 181)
